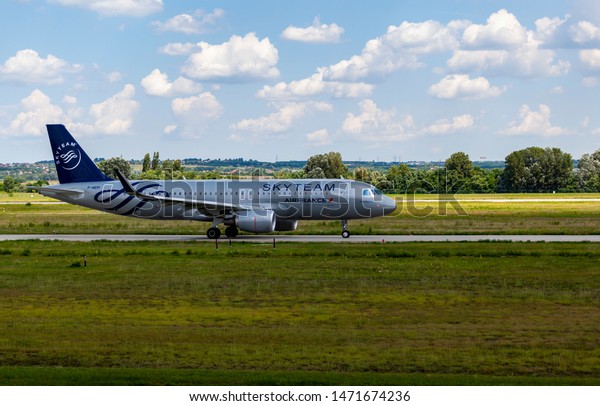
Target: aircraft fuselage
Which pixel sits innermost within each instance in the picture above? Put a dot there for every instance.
(294, 199)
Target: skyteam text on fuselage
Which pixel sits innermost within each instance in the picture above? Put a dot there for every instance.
(257, 206)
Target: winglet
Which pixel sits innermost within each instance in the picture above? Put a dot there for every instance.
(126, 184)
(129, 189)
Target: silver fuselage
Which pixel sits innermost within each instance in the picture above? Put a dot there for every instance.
(293, 199)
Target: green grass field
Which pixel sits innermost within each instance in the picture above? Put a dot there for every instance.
(395, 314)
(551, 216)
(362, 314)
(24, 197)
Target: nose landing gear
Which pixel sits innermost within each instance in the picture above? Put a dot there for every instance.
(345, 232)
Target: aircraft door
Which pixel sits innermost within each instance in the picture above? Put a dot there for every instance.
(246, 196)
(107, 194)
(337, 195)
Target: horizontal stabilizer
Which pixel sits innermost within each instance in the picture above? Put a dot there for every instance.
(57, 192)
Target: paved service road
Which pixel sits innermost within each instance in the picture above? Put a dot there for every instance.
(305, 238)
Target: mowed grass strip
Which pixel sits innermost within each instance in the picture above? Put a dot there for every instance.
(23, 197)
(549, 216)
(520, 311)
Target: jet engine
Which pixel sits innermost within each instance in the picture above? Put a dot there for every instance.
(262, 221)
(286, 225)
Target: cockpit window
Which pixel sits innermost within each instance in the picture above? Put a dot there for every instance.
(367, 193)
(377, 191)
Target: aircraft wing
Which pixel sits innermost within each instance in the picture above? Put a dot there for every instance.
(202, 205)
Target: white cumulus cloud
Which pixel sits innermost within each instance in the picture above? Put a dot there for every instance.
(584, 32)
(444, 126)
(26, 66)
(463, 87)
(257, 130)
(194, 115)
(37, 110)
(399, 48)
(315, 85)
(205, 105)
(527, 61)
(317, 32)
(157, 84)
(197, 23)
(504, 47)
(377, 125)
(551, 31)
(179, 48)
(533, 123)
(319, 138)
(277, 122)
(245, 58)
(169, 129)
(115, 114)
(111, 116)
(590, 58)
(502, 30)
(135, 8)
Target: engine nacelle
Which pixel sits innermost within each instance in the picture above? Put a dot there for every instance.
(262, 221)
(286, 225)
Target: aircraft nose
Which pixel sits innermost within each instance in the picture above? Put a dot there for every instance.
(389, 205)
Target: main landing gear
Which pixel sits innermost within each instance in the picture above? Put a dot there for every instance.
(231, 231)
(214, 233)
(345, 232)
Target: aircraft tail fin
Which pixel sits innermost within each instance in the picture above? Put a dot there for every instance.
(72, 163)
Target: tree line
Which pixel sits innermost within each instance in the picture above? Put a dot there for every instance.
(532, 169)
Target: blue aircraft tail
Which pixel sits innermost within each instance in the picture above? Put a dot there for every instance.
(72, 163)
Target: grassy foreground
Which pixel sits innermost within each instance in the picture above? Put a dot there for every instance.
(182, 313)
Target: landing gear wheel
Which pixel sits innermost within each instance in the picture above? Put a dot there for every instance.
(231, 232)
(213, 233)
(345, 232)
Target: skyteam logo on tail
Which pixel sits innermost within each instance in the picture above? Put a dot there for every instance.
(68, 156)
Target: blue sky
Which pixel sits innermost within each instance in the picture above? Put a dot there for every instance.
(266, 80)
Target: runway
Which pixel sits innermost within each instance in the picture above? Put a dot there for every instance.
(304, 238)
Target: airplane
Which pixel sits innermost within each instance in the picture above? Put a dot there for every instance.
(255, 206)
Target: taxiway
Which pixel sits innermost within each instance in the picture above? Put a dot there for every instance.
(305, 238)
